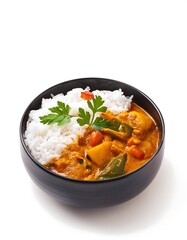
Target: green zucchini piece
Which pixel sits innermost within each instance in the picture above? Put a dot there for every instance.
(114, 168)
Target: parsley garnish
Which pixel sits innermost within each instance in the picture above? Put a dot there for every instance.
(60, 115)
(85, 117)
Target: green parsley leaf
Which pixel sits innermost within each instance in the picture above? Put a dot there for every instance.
(60, 115)
(95, 105)
(84, 117)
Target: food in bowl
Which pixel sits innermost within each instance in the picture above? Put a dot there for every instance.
(91, 135)
(72, 191)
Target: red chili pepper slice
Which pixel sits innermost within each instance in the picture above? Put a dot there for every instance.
(137, 153)
(87, 95)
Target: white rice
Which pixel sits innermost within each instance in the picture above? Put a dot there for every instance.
(47, 141)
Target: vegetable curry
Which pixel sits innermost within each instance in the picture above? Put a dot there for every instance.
(102, 153)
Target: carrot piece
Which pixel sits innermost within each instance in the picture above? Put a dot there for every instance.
(87, 95)
(96, 138)
(137, 153)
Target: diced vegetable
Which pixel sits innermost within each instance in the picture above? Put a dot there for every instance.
(117, 147)
(127, 129)
(114, 168)
(114, 134)
(137, 153)
(87, 95)
(96, 138)
(115, 124)
(100, 154)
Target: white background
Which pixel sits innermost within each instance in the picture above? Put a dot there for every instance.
(143, 43)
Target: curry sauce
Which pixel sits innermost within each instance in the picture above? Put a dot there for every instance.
(125, 146)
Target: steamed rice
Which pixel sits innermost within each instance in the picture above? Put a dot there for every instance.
(47, 141)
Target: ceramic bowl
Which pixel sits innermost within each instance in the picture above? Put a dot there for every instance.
(94, 193)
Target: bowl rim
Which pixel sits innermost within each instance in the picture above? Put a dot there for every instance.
(26, 149)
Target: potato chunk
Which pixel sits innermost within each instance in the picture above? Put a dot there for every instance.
(100, 154)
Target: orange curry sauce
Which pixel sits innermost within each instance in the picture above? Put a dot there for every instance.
(87, 157)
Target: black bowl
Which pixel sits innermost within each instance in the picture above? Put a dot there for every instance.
(94, 193)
